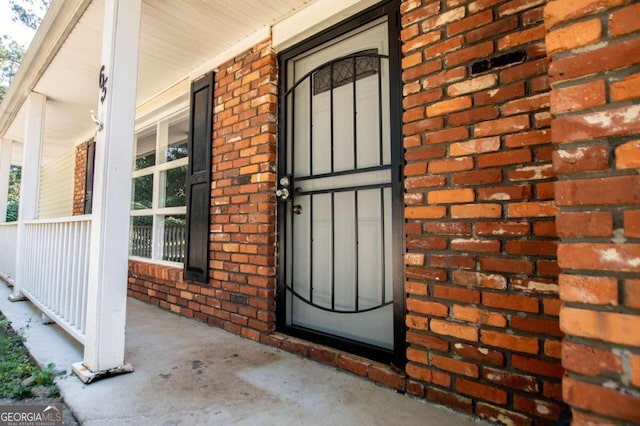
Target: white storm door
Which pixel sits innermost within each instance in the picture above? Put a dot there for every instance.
(337, 242)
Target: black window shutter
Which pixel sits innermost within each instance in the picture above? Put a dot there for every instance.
(88, 177)
(196, 262)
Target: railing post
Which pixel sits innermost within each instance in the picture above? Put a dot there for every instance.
(30, 181)
(107, 292)
(5, 168)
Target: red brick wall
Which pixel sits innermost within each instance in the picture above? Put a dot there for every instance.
(481, 270)
(79, 177)
(163, 286)
(240, 294)
(595, 76)
(243, 221)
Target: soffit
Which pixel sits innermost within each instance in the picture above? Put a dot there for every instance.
(177, 38)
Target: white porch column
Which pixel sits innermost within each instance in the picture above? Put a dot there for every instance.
(30, 179)
(5, 167)
(108, 267)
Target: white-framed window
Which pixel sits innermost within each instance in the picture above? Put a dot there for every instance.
(158, 200)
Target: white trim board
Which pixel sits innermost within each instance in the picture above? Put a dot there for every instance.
(314, 18)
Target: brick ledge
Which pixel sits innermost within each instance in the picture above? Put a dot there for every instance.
(377, 372)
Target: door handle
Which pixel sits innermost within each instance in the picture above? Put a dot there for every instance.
(283, 192)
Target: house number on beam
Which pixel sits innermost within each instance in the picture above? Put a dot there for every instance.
(102, 83)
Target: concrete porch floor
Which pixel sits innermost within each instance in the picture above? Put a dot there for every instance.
(187, 372)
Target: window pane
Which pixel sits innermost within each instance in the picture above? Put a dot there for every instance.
(140, 237)
(177, 141)
(177, 150)
(155, 235)
(174, 187)
(174, 238)
(142, 197)
(145, 149)
(146, 160)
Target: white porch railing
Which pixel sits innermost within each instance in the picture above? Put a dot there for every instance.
(141, 241)
(55, 270)
(173, 243)
(175, 237)
(8, 240)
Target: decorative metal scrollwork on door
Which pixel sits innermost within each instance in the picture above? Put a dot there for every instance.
(338, 191)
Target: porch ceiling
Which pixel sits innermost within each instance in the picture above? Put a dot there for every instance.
(178, 38)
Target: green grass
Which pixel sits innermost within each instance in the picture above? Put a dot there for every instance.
(16, 365)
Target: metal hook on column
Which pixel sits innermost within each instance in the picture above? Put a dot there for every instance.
(96, 121)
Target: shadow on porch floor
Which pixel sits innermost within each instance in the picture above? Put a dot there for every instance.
(189, 373)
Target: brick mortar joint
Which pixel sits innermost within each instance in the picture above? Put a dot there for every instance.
(621, 383)
(601, 15)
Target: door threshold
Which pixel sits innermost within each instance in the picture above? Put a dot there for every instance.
(385, 374)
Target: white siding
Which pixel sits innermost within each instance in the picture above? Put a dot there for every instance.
(56, 187)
